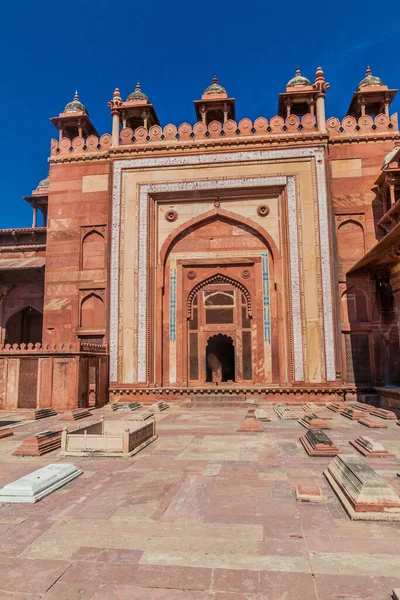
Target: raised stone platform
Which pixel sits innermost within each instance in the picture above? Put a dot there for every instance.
(317, 443)
(250, 424)
(313, 422)
(159, 406)
(75, 414)
(369, 421)
(262, 415)
(309, 492)
(142, 416)
(39, 444)
(35, 486)
(40, 413)
(284, 412)
(383, 414)
(128, 406)
(337, 406)
(352, 414)
(368, 447)
(6, 432)
(362, 492)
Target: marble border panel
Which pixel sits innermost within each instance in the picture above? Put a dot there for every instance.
(259, 155)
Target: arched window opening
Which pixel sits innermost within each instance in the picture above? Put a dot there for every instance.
(92, 312)
(25, 326)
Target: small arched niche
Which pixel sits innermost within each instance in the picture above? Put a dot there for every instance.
(93, 251)
(350, 241)
(92, 312)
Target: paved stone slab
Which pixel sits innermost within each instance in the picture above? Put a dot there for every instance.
(309, 492)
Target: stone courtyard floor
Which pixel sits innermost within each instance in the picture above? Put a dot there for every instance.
(203, 513)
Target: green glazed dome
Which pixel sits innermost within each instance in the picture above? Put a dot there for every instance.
(298, 80)
(76, 105)
(214, 88)
(137, 95)
(369, 80)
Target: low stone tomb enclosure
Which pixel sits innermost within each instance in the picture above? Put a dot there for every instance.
(336, 406)
(364, 407)
(383, 414)
(372, 423)
(39, 444)
(35, 486)
(284, 412)
(262, 415)
(108, 438)
(309, 492)
(352, 414)
(250, 424)
(143, 416)
(75, 414)
(159, 406)
(126, 406)
(313, 422)
(312, 407)
(362, 492)
(40, 413)
(6, 432)
(317, 443)
(368, 447)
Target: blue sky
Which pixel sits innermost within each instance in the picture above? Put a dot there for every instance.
(51, 48)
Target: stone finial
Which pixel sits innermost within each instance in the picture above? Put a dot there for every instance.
(116, 101)
(138, 88)
(117, 94)
(214, 79)
(298, 72)
(368, 71)
(320, 84)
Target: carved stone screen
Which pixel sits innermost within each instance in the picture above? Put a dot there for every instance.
(28, 381)
(358, 368)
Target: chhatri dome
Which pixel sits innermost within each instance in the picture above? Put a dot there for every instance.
(369, 80)
(215, 88)
(137, 95)
(298, 80)
(76, 105)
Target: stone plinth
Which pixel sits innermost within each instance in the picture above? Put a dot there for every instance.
(313, 422)
(108, 438)
(312, 407)
(40, 413)
(39, 444)
(35, 486)
(143, 416)
(159, 406)
(372, 423)
(352, 414)
(363, 494)
(383, 414)
(6, 432)
(368, 447)
(262, 415)
(364, 407)
(309, 492)
(129, 406)
(336, 406)
(284, 412)
(75, 414)
(250, 425)
(317, 443)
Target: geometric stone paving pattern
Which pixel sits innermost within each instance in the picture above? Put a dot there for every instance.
(203, 513)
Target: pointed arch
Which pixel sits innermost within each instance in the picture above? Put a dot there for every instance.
(211, 215)
(92, 312)
(93, 250)
(24, 326)
(218, 278)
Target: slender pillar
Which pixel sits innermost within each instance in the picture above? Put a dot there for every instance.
(34, 216)
(115, 128)
(320, 86)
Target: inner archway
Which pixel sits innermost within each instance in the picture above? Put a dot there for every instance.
(220, 359)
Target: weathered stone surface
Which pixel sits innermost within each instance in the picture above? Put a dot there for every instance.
(39, 444)
(262, 415)
(313, 422)
(396, 594)
(352, 413)
(317, 443)
(362, 492)
(383, 414)
(35, 486)
(75, 414)
(368, 447)
(125, 406)
(284, 412)
(40, 413)
(143, 416)
(336, 406)
(250, 424)
(159, 406)
(309, 492)
(372, 423)
(6, 432)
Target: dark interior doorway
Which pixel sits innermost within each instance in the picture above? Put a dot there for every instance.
(220, 359)
(24, 326)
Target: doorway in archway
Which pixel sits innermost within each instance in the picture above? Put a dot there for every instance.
(220, 359)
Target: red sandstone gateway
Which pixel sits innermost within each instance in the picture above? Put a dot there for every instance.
(224, 258)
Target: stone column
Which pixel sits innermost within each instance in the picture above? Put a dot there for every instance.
(115, 105)
(320, 86)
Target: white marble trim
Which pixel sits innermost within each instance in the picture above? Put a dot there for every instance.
(213, 159)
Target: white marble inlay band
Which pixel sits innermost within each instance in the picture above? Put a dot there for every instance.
(213, 159)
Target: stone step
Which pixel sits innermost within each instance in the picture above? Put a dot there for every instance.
(39, 444)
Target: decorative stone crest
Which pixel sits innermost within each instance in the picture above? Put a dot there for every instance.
(191, 274)
(246, 274)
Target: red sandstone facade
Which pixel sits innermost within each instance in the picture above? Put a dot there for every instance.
(233, 256)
